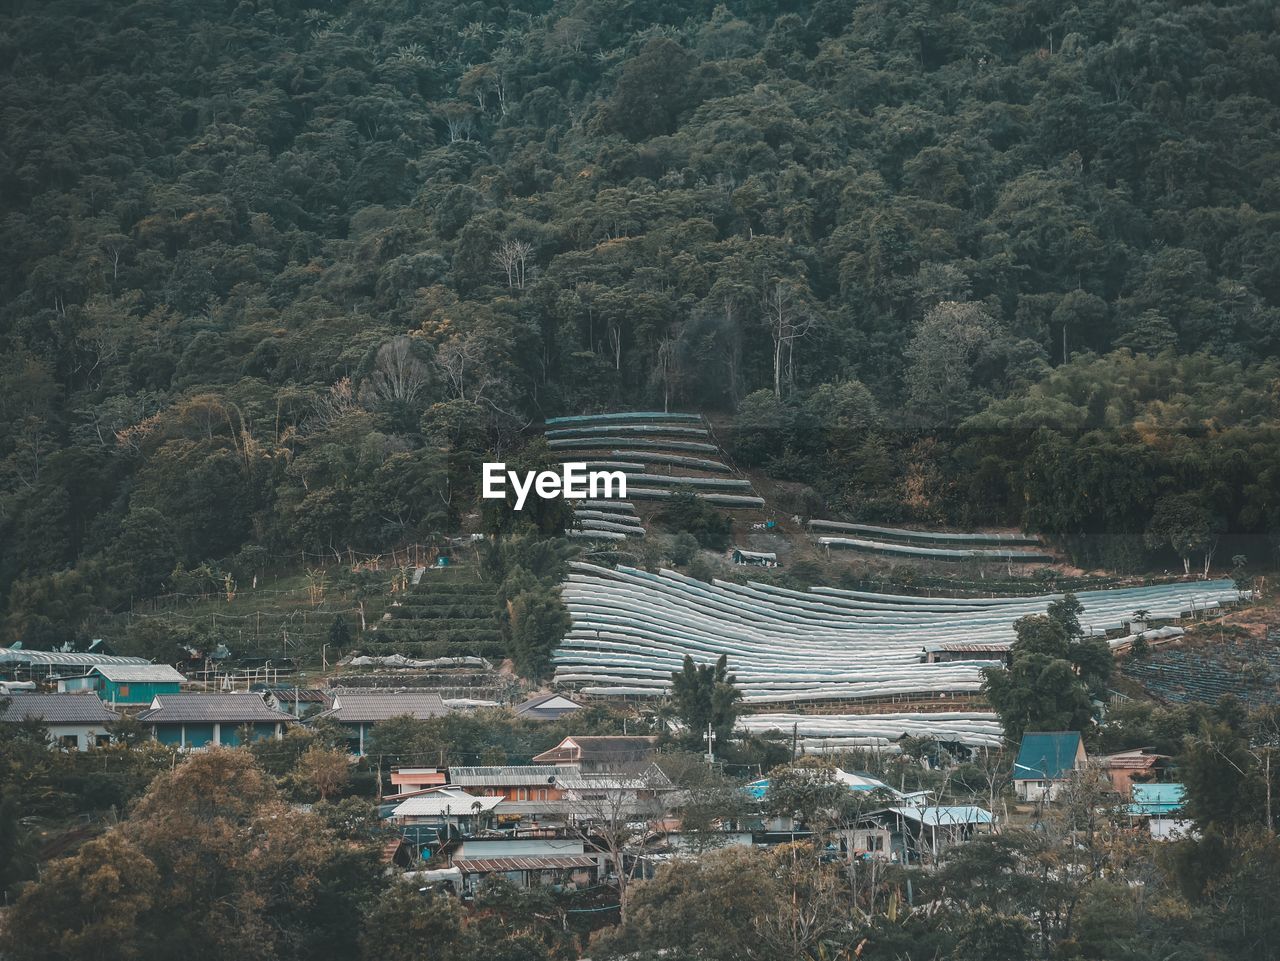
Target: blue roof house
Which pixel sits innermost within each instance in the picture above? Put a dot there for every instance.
(1045, 762)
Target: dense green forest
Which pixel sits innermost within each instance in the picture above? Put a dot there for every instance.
(277, 276)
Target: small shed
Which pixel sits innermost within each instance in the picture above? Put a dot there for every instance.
(755, 558)
(136, 683)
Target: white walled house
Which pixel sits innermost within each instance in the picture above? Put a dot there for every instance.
(75, 722)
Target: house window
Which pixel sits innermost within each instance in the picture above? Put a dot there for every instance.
(124, 690)
(69, 742)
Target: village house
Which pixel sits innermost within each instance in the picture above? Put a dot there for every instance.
(532, 793)
(546, 707)
(599, 754)
(410, 780)
(1127, 768)
(75, 722)
(196, 720)
(448, 811)
(133, 684)
(639, 793)
(527, 862)
(359, 710)
(1045, 762)
(915, 834)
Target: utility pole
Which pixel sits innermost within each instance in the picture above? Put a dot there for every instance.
(710, 738)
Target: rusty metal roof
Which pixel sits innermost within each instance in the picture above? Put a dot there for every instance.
(548, 863)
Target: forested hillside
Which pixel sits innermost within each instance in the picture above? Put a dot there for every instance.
(277, 275)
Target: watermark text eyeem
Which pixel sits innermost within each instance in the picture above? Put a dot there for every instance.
(573, 482)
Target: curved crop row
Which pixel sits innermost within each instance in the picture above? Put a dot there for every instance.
(631, 629)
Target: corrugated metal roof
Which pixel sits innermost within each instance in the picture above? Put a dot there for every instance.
(540, 702)
(20, 655)
(371, 706)
(139, 673)
(1156, 799)
(942, 816)
(615, 747)
(509, 774)
(57, 709)
(515, 863)
(303, 695)
(1133, 760)
(195, 707)
(650, 779)
(442, 805)
(1046, 756)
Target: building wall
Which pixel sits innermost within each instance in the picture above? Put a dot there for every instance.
(356, 734)
(1038, 790)
(197, 736)
(77, 737)
(230, 733)
(544, 792)
(68, 685)
(135, 692)
(519, 847)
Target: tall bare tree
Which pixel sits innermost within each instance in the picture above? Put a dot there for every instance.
(787, 321)
(612, 813)
(511, 258)
(398, 374)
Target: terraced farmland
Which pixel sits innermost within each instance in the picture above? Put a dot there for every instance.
(826, 646)
(658, 452)
(440, 618)
(1246, 668)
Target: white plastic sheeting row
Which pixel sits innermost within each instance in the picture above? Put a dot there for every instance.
(936, 553)
(596, 443)
(711, 497)
(624, 416)
(833, 732)
(631, 629)
(595, 535)
(673, 430)
(915, 536)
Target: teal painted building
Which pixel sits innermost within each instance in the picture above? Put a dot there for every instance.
(196, 720)
(135, 683)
